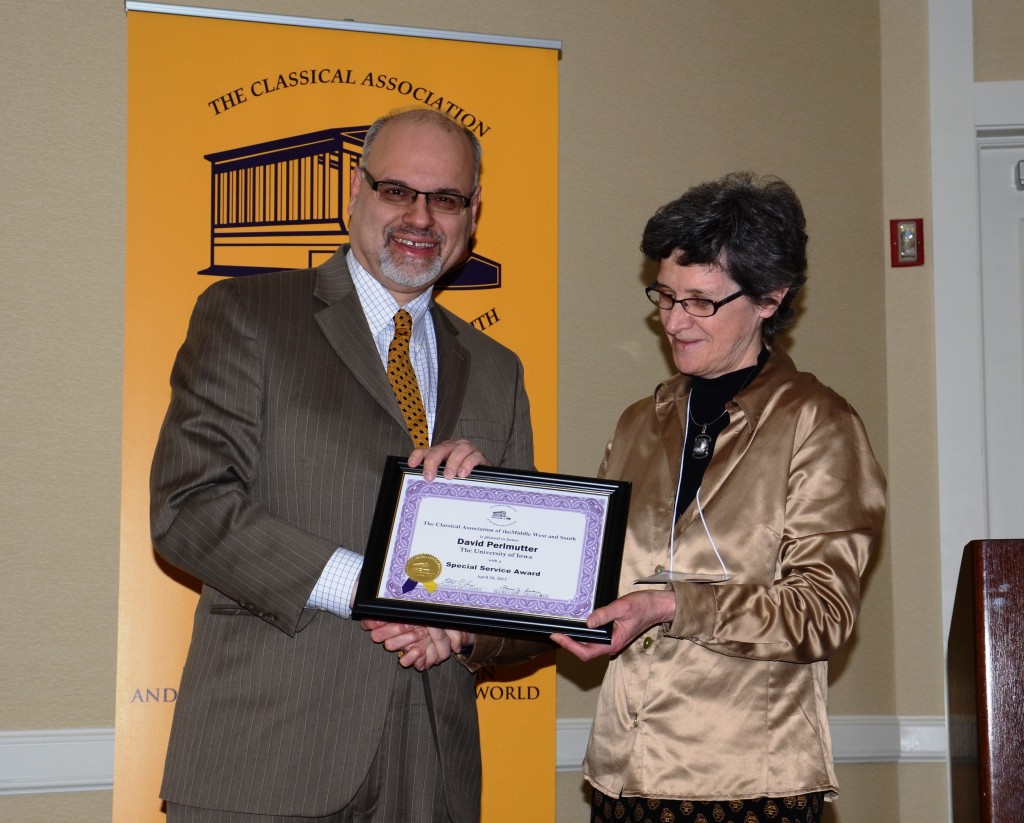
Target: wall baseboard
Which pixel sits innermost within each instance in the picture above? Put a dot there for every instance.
(56, 760)
(82, 760)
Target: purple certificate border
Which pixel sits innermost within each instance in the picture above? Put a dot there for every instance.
(578, 607)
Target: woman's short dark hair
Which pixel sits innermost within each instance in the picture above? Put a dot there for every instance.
(752, 227)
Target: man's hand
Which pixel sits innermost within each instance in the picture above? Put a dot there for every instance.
(418, 646)
(460, 457)
(630, 617)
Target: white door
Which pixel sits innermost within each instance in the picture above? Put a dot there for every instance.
(1002, 274)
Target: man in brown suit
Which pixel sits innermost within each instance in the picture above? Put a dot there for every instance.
(263, 487)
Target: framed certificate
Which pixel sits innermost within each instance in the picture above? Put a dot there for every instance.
(500, 552)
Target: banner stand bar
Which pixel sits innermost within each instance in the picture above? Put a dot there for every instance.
(347, 25)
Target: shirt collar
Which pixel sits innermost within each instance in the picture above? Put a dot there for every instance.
(379, 305)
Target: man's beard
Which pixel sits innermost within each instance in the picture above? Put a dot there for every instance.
(406, 272)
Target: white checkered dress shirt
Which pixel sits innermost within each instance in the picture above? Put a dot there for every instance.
(333, 591)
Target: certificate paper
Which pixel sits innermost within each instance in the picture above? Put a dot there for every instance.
(522, 553)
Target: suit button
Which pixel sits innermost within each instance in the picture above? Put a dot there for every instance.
(659, 569)
(648, 642)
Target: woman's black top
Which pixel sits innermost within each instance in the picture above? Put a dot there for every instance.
(708, 397)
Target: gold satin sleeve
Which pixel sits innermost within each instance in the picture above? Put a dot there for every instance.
(835, 504)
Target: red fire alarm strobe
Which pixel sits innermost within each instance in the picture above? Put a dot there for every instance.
(906, 242)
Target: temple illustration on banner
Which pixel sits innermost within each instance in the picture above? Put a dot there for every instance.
(282, 204)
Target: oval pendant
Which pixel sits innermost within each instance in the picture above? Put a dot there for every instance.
(701, 447)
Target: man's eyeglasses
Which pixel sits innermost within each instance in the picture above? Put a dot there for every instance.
(442, 202)
(696, 306)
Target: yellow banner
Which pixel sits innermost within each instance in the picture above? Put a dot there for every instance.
(241, 136)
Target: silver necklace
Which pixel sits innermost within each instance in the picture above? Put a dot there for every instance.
(702, 442)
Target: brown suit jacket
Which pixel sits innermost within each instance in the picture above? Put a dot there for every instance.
(269, 458)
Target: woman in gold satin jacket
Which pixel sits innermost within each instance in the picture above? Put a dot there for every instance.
(756, 504)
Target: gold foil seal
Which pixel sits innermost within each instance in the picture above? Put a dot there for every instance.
(425, 569)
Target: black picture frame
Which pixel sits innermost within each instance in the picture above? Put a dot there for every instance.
(599, 507)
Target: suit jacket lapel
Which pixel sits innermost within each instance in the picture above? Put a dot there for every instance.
(344, 325)
(452, 374)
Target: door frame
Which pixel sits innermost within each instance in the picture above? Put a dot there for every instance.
(1001, 212)
(962, 112)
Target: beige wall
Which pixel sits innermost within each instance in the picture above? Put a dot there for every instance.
(998, 36)
(62, 139)
(654, 97)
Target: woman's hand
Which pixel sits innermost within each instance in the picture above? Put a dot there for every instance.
(630, 617)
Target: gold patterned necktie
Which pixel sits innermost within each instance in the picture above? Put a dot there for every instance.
(403, 381)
